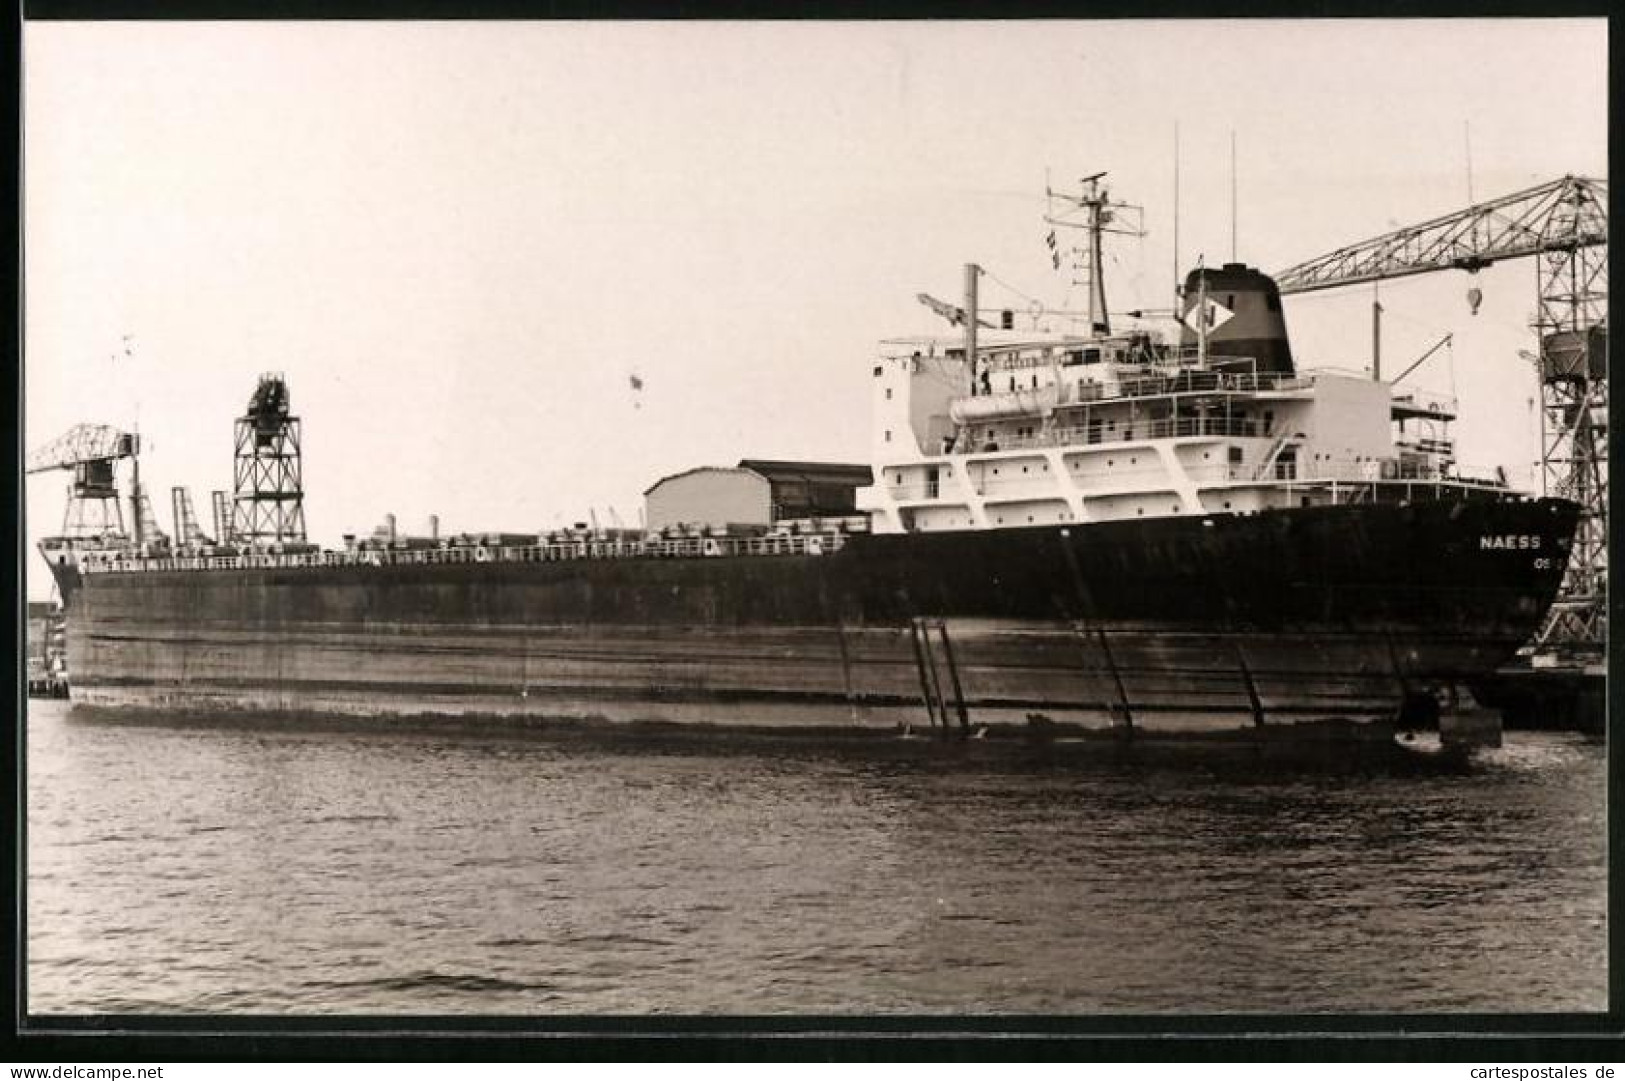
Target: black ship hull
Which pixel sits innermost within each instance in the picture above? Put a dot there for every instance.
(1284, 620)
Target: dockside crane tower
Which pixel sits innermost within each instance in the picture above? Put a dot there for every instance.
(94, 511)
(1563, 226)
(269, 507)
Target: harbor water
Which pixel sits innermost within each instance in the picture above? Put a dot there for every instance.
(231, 868)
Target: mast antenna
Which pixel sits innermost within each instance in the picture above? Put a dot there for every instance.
(1232, 195)
(1178, 290)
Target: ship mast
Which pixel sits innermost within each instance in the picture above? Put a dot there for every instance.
(972, 272)
(1098, 213)
(1099, 318)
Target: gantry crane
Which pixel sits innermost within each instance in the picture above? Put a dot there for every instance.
(1563, 225)
(92, 451)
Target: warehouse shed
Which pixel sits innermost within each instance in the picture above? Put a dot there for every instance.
(811, 489)
(709, 496)
(755, 494)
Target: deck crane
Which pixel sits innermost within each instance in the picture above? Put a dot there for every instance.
(93, 451)
(955, 316)
(1563, 225)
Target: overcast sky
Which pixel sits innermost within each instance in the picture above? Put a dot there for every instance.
(459, 241)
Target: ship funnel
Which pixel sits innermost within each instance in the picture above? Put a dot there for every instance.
(1243, 313)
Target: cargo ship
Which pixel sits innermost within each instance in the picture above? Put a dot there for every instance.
(1089, 533)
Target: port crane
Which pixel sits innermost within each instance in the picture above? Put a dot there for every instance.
(92, 452)
(268, 501)
(1563, 226)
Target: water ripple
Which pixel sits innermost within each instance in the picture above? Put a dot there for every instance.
(195, 869)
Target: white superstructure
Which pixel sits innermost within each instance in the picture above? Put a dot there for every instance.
(1082, 430)
(999, 429)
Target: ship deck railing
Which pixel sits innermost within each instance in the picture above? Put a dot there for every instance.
(1186, 381)
(1096, 434)
(1158, 382)
(1346, 480)
(768, 544)
(1354, 474)
(1403, 491)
